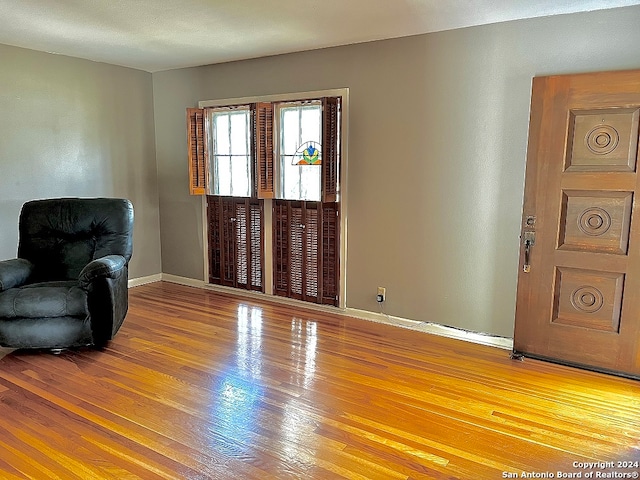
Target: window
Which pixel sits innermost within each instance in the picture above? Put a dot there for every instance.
(286, 153)
(231, 146)
(300, 151)
(243, 143)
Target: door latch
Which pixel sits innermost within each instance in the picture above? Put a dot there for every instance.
(529, 239)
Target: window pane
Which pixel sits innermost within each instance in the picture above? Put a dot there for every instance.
(299, 126)
(310, 182)
(240, 176)
(239, 134)
(290, 131)
(231, 156)
(222, 177)
(311, 130)
(221, 136)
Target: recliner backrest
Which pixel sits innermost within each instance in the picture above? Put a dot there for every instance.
(60, 236)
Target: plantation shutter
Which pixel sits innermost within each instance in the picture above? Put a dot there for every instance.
(281, 249)
(214, 230)
(330, 253)
(255, 251)
(197, 133)
(263, 149)
(305, 251)
(248, 258)
(235, 242)
(330, 149)
(228, 241)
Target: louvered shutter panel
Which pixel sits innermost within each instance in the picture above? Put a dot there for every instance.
(305, 242)
(214, 232)
(197, 150)
(228, 241)
(330, 254)
(263, 149)
(235, 242)
(330, 148)
(312, 261)
(255, 228)
(296, 250)
(242, 244)
(281, 248)
(248, 227)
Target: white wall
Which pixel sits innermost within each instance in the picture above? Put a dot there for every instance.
(71, 127)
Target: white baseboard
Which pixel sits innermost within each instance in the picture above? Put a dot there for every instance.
(189, 282)
(238, 292)
(421, 326)
(135, 282)
(434, 328)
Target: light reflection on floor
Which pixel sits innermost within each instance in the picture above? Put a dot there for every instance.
(239, 392)
(249, 356)
(236, 404)
(304, 343)
(296, 426)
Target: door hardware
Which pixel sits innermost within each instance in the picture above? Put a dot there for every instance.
(529, 241)
(530, 221)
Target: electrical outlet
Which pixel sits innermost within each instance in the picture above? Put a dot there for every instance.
(381, 295)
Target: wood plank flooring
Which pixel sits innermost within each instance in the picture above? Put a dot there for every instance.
(202, 385)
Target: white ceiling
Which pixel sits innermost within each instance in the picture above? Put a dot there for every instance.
(155, 35)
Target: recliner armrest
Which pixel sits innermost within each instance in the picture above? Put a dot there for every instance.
(110, 266)
(14, 273)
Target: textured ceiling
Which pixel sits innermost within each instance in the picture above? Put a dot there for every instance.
(155, 35)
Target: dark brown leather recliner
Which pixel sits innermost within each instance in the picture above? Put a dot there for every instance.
(69, 285)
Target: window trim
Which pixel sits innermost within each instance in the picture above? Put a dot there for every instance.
(343, 93)
(277, 98)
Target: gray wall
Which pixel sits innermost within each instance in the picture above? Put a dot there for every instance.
(71, 127)
(437, 144)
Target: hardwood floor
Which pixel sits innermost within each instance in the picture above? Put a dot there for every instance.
(200, 385)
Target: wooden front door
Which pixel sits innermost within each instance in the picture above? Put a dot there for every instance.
(578, 298)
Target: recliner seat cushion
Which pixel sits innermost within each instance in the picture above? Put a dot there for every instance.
(44, 300)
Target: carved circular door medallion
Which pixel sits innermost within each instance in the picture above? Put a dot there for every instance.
(602, 139)
(594, 221)
(587, 299)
